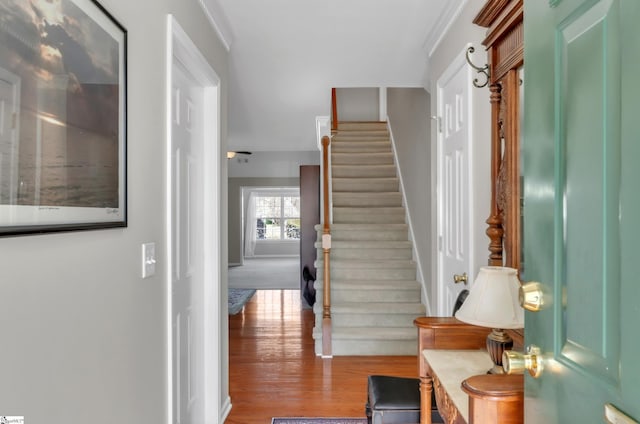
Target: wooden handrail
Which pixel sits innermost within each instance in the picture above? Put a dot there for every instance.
(326, 249)
(334, 110)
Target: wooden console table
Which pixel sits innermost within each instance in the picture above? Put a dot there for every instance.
(450, 352)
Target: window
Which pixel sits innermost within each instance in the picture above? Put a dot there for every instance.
(277, 217)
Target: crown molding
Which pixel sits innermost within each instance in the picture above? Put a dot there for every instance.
(451, 11)
(218, 21)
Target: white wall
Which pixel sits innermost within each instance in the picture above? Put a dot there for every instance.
(409, 119)
(84, 338)
(461, 32)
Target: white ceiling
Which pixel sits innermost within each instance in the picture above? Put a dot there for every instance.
(286, 55)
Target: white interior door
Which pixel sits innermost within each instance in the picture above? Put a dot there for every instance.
(196, 319)
(455, 256)
(188, 257)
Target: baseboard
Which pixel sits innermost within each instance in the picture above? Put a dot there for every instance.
(226, 410)
(232, 264)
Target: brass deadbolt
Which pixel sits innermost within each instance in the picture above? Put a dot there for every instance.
(532, 297)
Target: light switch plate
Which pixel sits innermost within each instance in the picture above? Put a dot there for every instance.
(148, 259)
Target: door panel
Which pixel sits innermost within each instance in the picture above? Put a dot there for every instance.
(455, 254)
(187, 265)
(579, 230)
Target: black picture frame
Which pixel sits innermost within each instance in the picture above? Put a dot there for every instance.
(63, 110)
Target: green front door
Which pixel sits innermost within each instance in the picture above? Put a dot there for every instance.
(581, 160)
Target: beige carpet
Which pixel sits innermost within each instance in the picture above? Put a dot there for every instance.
(266, 273)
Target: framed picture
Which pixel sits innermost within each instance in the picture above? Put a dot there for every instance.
(63, 117)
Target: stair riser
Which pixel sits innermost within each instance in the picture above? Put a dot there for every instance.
(380, 235)
(358, 200)
(368, 274)
(360, 142)
(361, 145)
(369, 253)
(371, 347)
(367, 216)
(368, 185)
(370, 295)
(362, 159)
(370, 320)
(362, 126)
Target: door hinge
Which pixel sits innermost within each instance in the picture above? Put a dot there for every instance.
(440, 243)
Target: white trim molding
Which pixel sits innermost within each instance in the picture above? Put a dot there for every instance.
(218, 21)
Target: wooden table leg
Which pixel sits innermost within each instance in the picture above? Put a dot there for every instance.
(426, 387)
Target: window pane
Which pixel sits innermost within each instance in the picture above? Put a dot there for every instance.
(292, 231)
(291, 206)
(260, 229)
(272, 230)
(267, 206)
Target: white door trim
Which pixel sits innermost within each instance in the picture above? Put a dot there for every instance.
(454, 67)
(181, 48)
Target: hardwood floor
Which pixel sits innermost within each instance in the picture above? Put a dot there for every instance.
(273, 370)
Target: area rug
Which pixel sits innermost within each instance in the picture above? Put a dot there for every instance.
(238, 298)
(319, 421)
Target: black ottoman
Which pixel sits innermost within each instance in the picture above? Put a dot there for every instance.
(393, 400)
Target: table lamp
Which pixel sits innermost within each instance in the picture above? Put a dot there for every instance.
(493, 302)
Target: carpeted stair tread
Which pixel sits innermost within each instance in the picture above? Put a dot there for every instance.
(374, 308)
(372, 284)
(370, 264)
(367, 232)
(366, 244)
(346, 126)
(374, 199)
(337, 227)
(365, 185)
(369, 250)
(370, 333)
(356, 214)
(361, 147)
(373, 158)
(363, 170)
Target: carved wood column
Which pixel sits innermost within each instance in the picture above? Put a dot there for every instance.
(495, 230)
(505, 53)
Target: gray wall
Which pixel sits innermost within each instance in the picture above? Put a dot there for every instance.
(408, 111)
(358, 104)
(274, 164)
(84, 338)
(460, 33)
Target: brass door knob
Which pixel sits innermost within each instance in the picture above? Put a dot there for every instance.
(516, 362)
(457, 278)
(532, 297)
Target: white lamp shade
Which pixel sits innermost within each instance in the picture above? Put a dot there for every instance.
(493, 300)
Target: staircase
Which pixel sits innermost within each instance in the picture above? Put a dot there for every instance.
(374, 293)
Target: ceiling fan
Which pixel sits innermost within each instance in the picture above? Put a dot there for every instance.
(233, 153)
